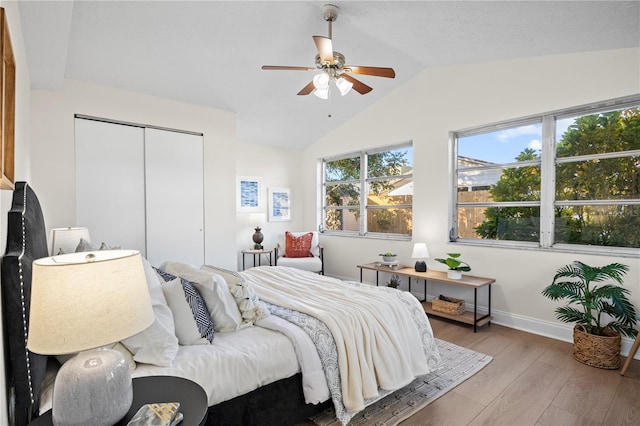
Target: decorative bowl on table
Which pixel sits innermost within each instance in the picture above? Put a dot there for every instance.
(389, 257)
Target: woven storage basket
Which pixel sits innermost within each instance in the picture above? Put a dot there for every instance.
(597, 351)
(456, 307)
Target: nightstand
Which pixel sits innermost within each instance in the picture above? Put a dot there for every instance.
(146, 390)
(257, 253)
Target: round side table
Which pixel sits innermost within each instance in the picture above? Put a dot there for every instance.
(147, 390)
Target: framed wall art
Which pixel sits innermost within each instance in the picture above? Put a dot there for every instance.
(279, 204)
(248, 198)
(7, 105)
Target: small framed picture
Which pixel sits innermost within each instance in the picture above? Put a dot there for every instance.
(248, 198)
(279, 204)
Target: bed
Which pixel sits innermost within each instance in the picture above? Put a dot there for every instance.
(394, 342)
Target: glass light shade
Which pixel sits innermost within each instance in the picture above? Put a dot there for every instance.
(344, 86)
(420, 251)
(322, 93)
(321, 81)
(65, 240)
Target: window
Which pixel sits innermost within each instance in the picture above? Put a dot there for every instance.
(567, 180)
(385, 176)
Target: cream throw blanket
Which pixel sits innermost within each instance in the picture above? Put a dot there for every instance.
(377, 340)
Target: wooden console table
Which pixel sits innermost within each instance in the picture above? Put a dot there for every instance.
(470, 281)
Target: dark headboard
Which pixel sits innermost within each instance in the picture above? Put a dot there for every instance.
(26, 241)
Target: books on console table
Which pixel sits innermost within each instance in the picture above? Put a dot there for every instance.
(394, 266)
(157, 414)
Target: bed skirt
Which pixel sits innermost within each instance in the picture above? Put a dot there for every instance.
(277, 404)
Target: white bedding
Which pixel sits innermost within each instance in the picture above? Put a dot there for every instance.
(380, 345)
(234, 364)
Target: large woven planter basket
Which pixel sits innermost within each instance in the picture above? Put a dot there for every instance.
(597, 351)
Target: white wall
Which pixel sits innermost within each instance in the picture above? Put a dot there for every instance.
(22, 159)
(450, 98)
(278, 168)
(53, 178)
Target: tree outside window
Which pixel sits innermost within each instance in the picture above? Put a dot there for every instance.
(385, 177)
(595, 180)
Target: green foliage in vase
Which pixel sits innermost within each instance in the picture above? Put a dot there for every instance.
(454, 263)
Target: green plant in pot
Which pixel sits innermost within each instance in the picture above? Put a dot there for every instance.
(456, 266)
(388, 256)
(394, 281)
(601, 313)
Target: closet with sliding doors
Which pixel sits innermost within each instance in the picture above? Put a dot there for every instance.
(141, 187)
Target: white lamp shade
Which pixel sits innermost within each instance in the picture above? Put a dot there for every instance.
(257, 219)
(321, 81)
(67, 239)
(79, 304)
(322, 93)
(344, 86)
(420, 251)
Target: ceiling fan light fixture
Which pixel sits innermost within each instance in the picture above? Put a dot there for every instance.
(322, 93)
(321, 81)
(344, 86)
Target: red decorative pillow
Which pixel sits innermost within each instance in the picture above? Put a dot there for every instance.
(298, 246)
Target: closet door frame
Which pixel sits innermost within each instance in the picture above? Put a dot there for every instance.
(142, 188)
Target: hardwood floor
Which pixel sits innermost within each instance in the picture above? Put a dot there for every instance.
(532, 380)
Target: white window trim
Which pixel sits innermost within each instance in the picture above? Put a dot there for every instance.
(547, 163)
(363, 186)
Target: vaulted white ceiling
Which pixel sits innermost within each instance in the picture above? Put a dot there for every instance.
(210, 52)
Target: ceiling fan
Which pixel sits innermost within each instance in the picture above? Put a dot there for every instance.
(332, 66)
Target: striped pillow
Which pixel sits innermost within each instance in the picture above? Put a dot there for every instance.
(196, 304)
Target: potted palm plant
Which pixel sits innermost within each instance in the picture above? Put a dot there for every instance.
(601, 313)
(456, 266)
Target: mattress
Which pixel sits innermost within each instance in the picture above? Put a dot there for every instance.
(235, 363)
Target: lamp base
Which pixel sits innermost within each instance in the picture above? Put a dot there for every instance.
(94, 387)
(421, 266)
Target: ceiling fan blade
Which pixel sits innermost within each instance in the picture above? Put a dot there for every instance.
(358, 86)
(307, 89)
(375, 71)
(278, 67)
(325, 48)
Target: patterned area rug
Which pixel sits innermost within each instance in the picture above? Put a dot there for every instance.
(458, 364)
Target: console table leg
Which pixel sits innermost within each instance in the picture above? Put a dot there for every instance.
(475, 310)
(489, 304)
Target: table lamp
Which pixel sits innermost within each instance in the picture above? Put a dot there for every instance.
(420, 252)
(79, 303)
(65, 240)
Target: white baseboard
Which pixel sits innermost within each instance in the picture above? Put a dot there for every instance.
(554, 330)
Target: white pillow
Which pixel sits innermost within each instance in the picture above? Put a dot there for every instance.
(158, 343)
(186, 327)
(213, 289)
(251, 308)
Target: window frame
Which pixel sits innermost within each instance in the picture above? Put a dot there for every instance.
(548, 162)
(362, 185)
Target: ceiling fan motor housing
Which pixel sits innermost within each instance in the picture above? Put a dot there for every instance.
(330, 12)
